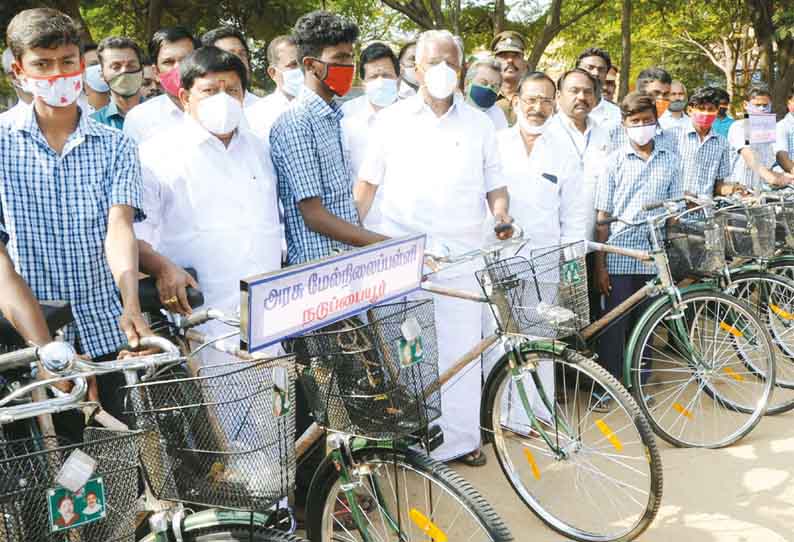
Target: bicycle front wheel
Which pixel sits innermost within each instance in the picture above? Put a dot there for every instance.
(703, 371)
(599, 476)
(403, 496)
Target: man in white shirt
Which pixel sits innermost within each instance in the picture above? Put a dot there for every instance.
(436, 160)
(597, 63)
(752, 162)
(24, 98)
(379, 69)
(233, 41)
(784, 141)
(168, 47)
(283, 69)
(408, 82)
(209, 188)
(483, 83)
(675, 116)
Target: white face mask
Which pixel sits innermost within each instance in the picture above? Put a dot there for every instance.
(641, 135)
(59, 91)
(441, 81)
(527, 127)
(382, 92)
(93, 78)
(406, 91)
(292, 81)
(220, 114)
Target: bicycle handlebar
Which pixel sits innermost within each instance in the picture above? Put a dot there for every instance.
(19, 358)
(516, 239)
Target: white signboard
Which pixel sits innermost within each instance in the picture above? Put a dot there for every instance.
(298, 299)
(761, 128)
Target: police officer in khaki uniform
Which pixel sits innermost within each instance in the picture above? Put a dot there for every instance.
(509, 47)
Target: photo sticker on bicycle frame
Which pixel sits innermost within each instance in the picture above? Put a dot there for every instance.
(411, 352)
(281, 399)
(74, 509)
(572, 272)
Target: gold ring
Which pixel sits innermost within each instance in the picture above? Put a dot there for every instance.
(171, 300)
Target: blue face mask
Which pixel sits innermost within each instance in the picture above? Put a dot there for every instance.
(758, 108)
(483, 97)
(382, 92)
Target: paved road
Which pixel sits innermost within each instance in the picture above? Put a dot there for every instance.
(744, 493)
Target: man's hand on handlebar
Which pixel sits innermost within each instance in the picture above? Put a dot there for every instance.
(172, 284)
(134, 326)
(503, 228)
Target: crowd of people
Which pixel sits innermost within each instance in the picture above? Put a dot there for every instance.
(116, 162)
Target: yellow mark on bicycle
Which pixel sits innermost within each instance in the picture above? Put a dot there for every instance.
(733, 374)
(609, 434)
(532, 463)
(730, 329)
(427, 526)
(680, 408)
(780, 312)
(381, 397)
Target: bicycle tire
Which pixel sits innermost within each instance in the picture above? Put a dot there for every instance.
(562, 518)
(227, 533)
(322, 500)
(664, 418)
(777, 320)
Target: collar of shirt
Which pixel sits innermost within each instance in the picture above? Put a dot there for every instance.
(629, 150)
(690, 129)
(568, 125)
(27, 122)
(317, 106)
(417, 105)
(196, 134)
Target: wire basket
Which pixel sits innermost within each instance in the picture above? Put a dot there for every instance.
(222, 438)
(29, 467)
(784, 231)
(750, 232)
(695, 246)
(544, 295)
(375, 375)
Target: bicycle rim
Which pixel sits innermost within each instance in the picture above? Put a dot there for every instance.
(602, 479)
(691, 370)
(406, 497)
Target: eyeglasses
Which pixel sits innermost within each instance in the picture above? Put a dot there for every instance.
(533, 101)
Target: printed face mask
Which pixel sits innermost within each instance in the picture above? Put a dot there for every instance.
(58, 90)
(483, 97)
(220, 114)
(292, 81)
(641, 135)
(127, 84)
(702, 119)
(382, 92)
(171, 82)
(441, 80)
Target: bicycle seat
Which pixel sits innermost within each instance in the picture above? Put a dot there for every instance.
(150, 297)
(57, 314)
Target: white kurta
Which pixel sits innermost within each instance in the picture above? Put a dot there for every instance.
(152, 117)
(261, 115)
(435, 174)
(668, 122)
(606, 114)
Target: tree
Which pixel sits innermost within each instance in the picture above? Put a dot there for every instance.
(557, 21)
(773, 25)
(625, 55)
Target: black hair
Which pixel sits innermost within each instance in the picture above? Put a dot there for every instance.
(90, 46)
(705, 95)
(653, 74)
(580, 71)
(723, 94)
(376, 51)
(537, 76)
(404, 49)
(217, 34)
(147, 61)
(210, 59)
(170, 35)
(320, 29)
(272, 48)
(790, 94)
(637, 102)
(119, 42)
(595, 51)
(756, 91)
(41, 28)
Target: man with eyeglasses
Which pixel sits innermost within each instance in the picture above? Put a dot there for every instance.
(597, 63)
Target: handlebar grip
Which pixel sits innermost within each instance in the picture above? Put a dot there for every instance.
(19, 358)
(195, 297)
(196, 319)
(652, 206)
(501, 228)
(608, 221)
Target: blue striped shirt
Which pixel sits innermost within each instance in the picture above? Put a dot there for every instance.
(55, 209)
(311, 162)
(703, 163)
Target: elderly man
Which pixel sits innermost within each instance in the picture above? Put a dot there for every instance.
(483, 81)
(675, 116)
(436, 160)
(284, 70)
(597, 63)
(509, 48)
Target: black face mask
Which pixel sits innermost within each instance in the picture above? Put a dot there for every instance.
(722, 112)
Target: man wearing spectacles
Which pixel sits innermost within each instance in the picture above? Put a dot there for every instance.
(597, 63)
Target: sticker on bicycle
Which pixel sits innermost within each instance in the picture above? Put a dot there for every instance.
(427, 526)
(70, 509)
(572, 272)
(298, 299)
(281, 399)
(411, 352)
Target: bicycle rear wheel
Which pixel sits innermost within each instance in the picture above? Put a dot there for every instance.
(601, 477)
(703, 373)
(226, 533)
(404, 496)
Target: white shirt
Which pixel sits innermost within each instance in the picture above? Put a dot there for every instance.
(606, 114)
(264, 113)
(151, 117)
(497, 116)
(7, 117)
(667, 121)
(784, 127)
(250, 99)
(588, 152)
(434, 172)
(738, 139)
(545, 195)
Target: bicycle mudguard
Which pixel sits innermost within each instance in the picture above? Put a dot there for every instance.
(213, 518)
(783, 260)
(646, 315)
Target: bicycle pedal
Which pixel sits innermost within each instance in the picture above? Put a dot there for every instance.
(435, 437)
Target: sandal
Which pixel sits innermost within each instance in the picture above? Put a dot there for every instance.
(474, 459)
